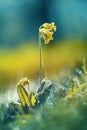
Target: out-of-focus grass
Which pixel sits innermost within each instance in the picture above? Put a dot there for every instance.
(63, 117)
(24, 60)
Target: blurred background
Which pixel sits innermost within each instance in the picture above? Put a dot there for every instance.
(19, 49)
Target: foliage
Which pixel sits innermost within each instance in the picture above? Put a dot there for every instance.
(64, 109)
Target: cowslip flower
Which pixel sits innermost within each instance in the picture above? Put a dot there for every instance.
(46, 32)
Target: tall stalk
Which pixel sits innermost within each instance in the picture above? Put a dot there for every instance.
(40, 49)
(46, 32)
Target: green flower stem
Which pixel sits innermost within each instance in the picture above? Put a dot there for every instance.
(40, 50)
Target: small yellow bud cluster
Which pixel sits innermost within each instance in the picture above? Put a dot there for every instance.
(46, 32)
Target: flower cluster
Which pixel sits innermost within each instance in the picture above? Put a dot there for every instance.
(46, 32)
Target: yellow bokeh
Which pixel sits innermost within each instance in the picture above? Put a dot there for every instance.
(24, 60)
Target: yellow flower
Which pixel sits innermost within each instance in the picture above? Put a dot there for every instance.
(32, 99)
(46, 32)
(73, 92)
(84, 67)
(24, 81)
